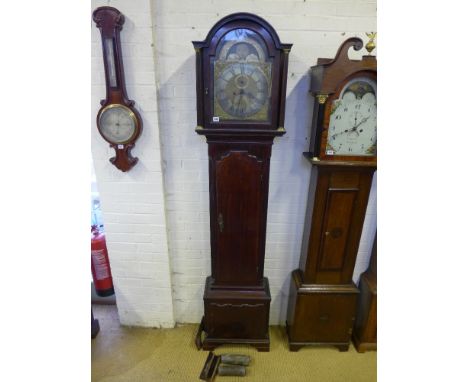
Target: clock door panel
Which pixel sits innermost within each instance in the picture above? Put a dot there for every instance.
(239, 207)
(338, 216)
(340, 206)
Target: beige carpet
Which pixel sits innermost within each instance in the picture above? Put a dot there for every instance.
(160, 355)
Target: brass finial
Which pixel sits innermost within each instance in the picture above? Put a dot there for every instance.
(370, 46)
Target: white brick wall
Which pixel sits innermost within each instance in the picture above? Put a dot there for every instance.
(316, 28)
(133, 202)
(151, 219)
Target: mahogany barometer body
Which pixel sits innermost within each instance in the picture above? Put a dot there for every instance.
(241, 84)
(343, 157)
(118, 121)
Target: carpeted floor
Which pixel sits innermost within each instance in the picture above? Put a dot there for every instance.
(159, 355)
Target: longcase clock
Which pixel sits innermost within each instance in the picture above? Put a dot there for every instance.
(241, 85)
(343, 158)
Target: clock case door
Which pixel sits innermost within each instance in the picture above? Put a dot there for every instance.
(237, 296)
(239, 198)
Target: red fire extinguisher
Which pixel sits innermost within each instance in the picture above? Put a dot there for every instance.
(100, 266)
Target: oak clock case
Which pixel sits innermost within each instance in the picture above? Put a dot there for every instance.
(343, 158)
(241, 71)
(118, 122)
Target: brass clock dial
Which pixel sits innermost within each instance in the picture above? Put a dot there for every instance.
(242, 78)
(353, 120)
(241, 89)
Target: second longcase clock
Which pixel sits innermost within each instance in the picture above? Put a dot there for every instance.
(343, 157)
(241, 86)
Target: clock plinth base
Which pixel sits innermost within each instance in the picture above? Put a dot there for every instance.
(235, 316)
(320, 314)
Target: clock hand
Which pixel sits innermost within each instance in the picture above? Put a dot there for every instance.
(343, 132)
(360, 123)
(238, 102)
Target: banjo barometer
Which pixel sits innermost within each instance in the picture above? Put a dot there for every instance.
(118, 122)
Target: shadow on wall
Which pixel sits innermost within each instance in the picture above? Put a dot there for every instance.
(185, 174)
(294, 174)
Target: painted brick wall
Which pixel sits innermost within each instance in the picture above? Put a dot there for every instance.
(133, 203)
(316, 28)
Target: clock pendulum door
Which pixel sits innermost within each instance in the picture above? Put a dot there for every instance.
(241, 85)
(322, 298)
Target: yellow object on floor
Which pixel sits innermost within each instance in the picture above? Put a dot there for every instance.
(158, 355)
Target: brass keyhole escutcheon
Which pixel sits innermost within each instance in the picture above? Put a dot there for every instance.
(220, 222)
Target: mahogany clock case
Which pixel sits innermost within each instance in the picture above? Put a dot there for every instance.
(110, 21)
(237, 296)
(276, 54)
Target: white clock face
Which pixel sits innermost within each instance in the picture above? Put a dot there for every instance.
(352, 128)
(117, 123)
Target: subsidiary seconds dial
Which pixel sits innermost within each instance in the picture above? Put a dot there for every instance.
(353, 122)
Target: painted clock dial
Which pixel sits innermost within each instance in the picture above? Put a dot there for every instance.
(242, 78)
(353, 120)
